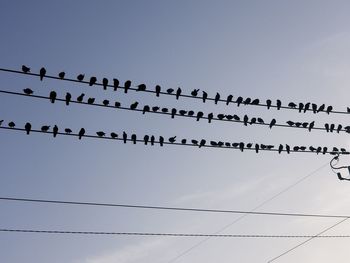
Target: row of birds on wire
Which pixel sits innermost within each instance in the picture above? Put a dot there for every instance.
(151, 139)
(328, 127)
(195, 93)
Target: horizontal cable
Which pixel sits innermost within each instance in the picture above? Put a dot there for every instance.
(295, 106)
(222, 145)
(170, 208)
(167, 111)
(167, 234)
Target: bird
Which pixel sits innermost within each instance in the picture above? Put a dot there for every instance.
(153, 140)
(221, 116)
(257, 147)
(146, 108)
(194, 92)
(133, 138)
(211, 116)
(321, 108)
(306, 107)
(200, 114)
(229, 117)
(347, 109)
(80, 77)
(287, 148)
(229, 99)
(296, 148)
(115, 84)
(245, 120)
(255, 102)
(195, 142)
(100, 133)
(92, 81)
(247, 101)
(311, 125)
(237, 118)
(241, 146)
(68, 131)
(141, 87)
(220, 143)
(204, 96)
(61, 75)
(339, 128)
(165, 110)
(161, 140)
(347, 129)
(182, 112)
(42, 73)
(55, 131)
(25, 69)
(28, 91)
(133, 106)
(272, 123)
(280, 148)
(125, 136)
(190, 113)
(260, 120)
(68, 98)
(114, 135)
(290, 123)
(173, 113)
(91, 100)
(178, 93)
(318, 150)
(324, 150)
(172, 139)
(239, 100)
(213, 143)
(158, 88)
(45, 128)
(183, 141)
(170, 91)
(217, 98)
(332, 127)
(252, 121)
(81, 133)
(81, 97)
(305, 124)
(202, 143)
(127, 86)
(301, 106)
(314, 107)
(28, 127)
(292, 105)
(298, 124)
(117, 104)
(12, 124)
(104, 83)
(278, 104)
(268, 104)
(53, 96)
(327, 127)
(329, 109)
(105, 102)
(155, 108)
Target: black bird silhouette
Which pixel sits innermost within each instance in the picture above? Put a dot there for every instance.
(68, 131)
(161, 140)
(117, 104)
(217, 98)
(200, 114)
(221, 116)
(68, 98)
(158, 88)
(42, 73)
(260, 120)
(292, 105)
(80, 77)
(247, 101)
(339, 128)
(202, 143)
(347, 129)
(211, 116)
(229, 99)
(45, 128)
(127, 86)
(287, 148)
(28, 91)
(321, 108)
(155, 108)
(134, 105)
(194, 92)
(255, 102)
(327, 127)
(290, 123)
(146, 108)
(268, 104)
(204, 96)
(305, 124)
(237, 118)
(152, 140)
(133, 138)
(241, 146)
(252, 121)
(141, 87)
(318, 150)
(296, 148)
(239, 100)
(104, 83)
(92, 81)
(165, 110)
(125, 136)
(105, 102)
(229, 117)
(190, 113)
(114, 135)
(81, 133)
(301, 106)
(311, 125)
(195, 142)
(280, 148)
(91, 100)
(178, 93)
(347, 109)
(227, 144)
(329, 109)
(100, 133)
(80, 98)
(332, 127)
(61, 75)
(213, 143)
(54, 131)
(172, 139)
(25, 69)
(173, 113)
(306, 107)
(314, 107)
(272, 123)
(245, 120)
(278, 104)
(53, 96)
(28, 127)
(324, 150)
(312, 149)
(115, 84)
(220, 143)
(298, 124)
(182, 112)
(257, 147)
(170, 91)
(183, 141)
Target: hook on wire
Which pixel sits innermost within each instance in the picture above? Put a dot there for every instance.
(334, 168)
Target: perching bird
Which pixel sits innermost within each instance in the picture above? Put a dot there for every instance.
(195, 142)
(268, 104)
(306, 107)
(194, 92)
(28, 127)
(202, 143)
(133, 138)
(278, 104)
(229, 117)
(178, 93)
(81, 133)
(221, 116)
(42, 73)
(305, 124)
(158, 89)
(100, 133)
(290, 123)
(28, 91)
(80, 77)
(61, 75)
(255, 102)
(311, 125)
(241, 146)
(114, 135)
(247, 101)
(127, 86)
(237, 118)
(161, 140)
(245, 120)
(117, 104)
(68, 131)
(170, 91)
(287, 148)
(324, 150)
(12, 124)
(133, 106)
(182, 112)
(91, 100)
(80, 98)
(141, 87)
(301, 106)
(105, 102)
(173, 113)
(55, 131)
(339, 128)
(213, 143)
(217, 98)
(204, 96)
(104, 83)
(115, 84)
(53, 96)
(280, 148)
(92, 81)
(239, 100)
(200, 114)
(327, 127)
(321, 108)
(45, 128)
(260, 120)
(25, 69)
(172, 139)
(272, 123)
(292, 105)
(146, 108)
(68, 98)
(229, 99)
(257, 147)
(298, 124)
(332, 127)
(252, 121)
(314, 107)
(183, 141)
(155, 108)
(152, 140)
(190, 113)
(125, 136)
(211, 116)
(329, 109)
(165, 110)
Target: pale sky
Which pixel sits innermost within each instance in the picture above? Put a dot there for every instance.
(288, 50)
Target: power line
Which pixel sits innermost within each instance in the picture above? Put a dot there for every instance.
(166, 234)
(166, 93)
(171, 208)
(177, 114)
(183, 143)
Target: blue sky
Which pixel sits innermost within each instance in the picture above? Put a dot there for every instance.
(288, 50)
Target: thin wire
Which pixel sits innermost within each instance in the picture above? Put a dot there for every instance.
(306, 241)
(165, 143)
(167, 234)
(243, 216)
(151, 91)
(164, 113)
(170, 208)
